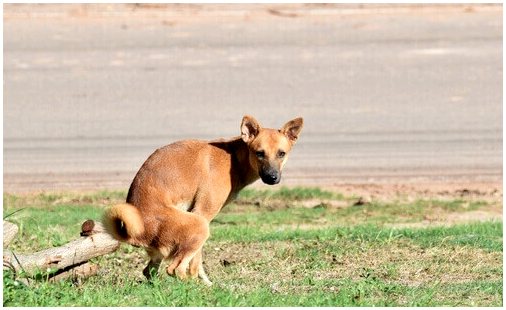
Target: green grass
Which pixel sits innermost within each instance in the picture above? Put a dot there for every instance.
(286, 193)
(292, 247)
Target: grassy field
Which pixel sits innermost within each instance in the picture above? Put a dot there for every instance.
(290, 247)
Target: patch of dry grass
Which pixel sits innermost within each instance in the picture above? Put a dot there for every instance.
(326, 251)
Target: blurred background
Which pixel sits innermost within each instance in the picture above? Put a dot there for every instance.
(389, 93)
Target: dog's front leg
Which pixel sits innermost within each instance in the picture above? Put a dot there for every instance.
(197, 269)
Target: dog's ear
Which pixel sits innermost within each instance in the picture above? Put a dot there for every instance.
(249, 128)
(292, 129)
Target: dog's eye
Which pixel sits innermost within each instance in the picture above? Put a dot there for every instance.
(260, 154)
(281, 154)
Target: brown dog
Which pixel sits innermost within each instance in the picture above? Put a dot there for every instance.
(200, 177)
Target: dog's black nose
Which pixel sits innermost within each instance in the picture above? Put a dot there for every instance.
(271, 178)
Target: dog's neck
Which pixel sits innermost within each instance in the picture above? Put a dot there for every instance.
(239, 153)
(242, 162)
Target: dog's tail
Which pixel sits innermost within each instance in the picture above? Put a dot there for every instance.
(124, 223)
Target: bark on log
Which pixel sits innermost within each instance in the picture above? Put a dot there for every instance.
(71, 254)
(80, 272)
(9, 231)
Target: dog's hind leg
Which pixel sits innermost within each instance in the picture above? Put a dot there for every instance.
(176, 260)
(177, 266)
(183, 266)
(185, 254)
(154, 263)
(180, 263)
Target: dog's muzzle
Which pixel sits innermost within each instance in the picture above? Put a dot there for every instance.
(270, 176)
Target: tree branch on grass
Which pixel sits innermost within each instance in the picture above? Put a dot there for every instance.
(69, 260)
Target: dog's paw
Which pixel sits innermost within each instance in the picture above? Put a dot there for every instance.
(170, 271)
(207, 282)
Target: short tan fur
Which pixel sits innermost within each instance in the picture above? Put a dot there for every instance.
(200, 177)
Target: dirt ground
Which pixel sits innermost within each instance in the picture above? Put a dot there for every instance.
(487, 191)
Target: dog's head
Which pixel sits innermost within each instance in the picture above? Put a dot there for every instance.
(269, 148)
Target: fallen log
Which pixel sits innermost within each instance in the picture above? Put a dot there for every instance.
(78, 273)
(61, 260)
